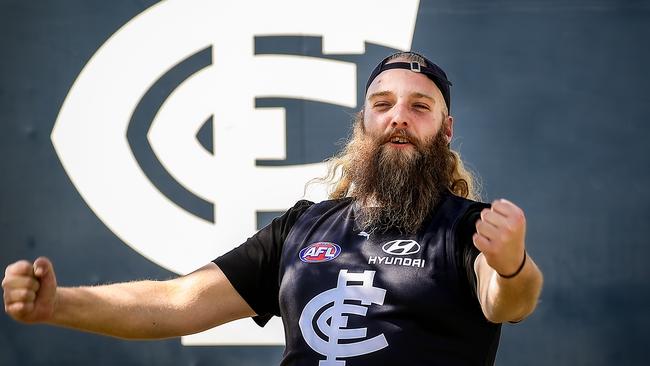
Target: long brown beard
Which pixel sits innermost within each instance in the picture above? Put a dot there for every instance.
(395, 188)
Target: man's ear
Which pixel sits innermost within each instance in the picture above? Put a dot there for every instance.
(448, 125)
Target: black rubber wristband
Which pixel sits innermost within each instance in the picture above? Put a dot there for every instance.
(521, 266)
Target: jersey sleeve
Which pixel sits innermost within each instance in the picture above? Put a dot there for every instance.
(466, 252)
(252, 268)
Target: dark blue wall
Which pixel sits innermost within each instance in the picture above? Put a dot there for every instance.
(550, 100)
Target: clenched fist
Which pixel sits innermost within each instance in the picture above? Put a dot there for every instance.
(30, 290)
(500, 235)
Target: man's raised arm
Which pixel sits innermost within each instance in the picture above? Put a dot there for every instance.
(134, 310)
(509, 282)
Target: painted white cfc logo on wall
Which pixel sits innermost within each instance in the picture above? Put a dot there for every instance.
(334, 300)
(90, 132)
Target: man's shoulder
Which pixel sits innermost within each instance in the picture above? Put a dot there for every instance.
(326, 205)
(336, 201)
(458, 211)
(461, 202)
(302, 206)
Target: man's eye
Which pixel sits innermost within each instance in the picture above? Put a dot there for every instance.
(422, 106)
(381, 104)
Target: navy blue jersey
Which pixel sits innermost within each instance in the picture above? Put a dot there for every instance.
(349, 297)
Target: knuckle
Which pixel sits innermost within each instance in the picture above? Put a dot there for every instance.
(519, 210)
(24, 295)
(521, 218)
(11, 282)
(16, 295)
(508, 229)
(13, 296)
(8, 282)
(19, 309)
(483, 241)
(9, 297)
(14, 309)
(21, 266)
(24, 308)
(479, 244)
(516, 224)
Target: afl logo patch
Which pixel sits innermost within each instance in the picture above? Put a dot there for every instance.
(320, 252)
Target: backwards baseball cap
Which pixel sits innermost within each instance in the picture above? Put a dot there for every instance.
(430, 70)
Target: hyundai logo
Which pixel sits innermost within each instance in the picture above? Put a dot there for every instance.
(401, 247)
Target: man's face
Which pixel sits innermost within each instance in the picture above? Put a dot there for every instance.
(405, 100)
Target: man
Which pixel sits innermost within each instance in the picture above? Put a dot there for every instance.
(399, 265)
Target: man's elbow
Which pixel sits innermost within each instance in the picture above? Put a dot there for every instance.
(512, 315)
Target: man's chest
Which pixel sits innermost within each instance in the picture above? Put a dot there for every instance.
(337, 263)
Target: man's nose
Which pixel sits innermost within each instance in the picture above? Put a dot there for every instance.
(400, 117)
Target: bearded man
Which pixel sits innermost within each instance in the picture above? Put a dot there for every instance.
(401, 264)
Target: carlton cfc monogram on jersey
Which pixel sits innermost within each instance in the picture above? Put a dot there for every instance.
(326, 311)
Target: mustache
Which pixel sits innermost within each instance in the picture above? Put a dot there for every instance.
(386, 137)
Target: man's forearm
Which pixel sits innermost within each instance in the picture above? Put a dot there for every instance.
(134, 310)
(509, 299)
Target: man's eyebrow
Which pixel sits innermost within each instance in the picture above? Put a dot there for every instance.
(383, 93)
(421, 95)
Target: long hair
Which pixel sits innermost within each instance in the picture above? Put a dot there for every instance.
(462, 183)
